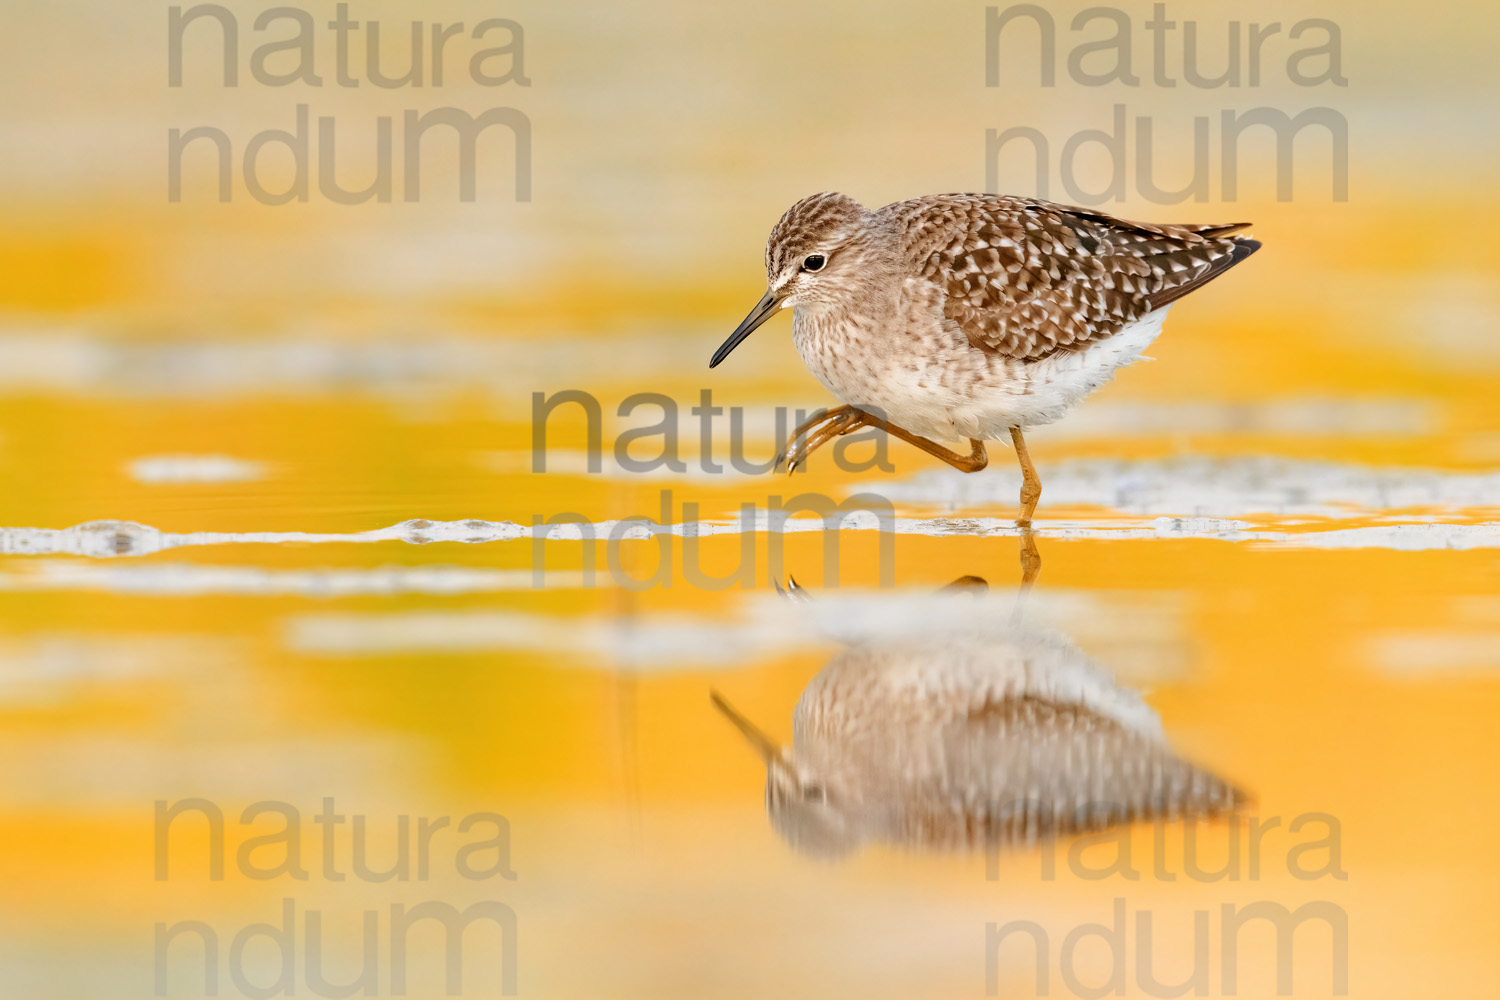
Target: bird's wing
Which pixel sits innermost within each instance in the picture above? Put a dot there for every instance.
(1027, 278)
(1025, 769)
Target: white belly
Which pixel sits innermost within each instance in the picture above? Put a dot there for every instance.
(1046, 390)
(959, 391)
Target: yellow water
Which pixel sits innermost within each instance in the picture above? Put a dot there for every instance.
(1327, 636)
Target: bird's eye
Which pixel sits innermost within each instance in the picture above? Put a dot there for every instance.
(814, 262)
(814, 793)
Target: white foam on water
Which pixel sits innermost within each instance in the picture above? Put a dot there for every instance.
(190, 579)
(105, 539)
(109, 539)
(1212, 487)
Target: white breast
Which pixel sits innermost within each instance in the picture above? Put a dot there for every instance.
(936, 384)
(1043, 391)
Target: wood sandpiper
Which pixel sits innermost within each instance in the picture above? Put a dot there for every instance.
(971, 315)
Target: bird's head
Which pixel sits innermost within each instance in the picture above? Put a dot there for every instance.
(805, 809)
(817, 255)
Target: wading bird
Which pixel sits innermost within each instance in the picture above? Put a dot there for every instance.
(971, 315)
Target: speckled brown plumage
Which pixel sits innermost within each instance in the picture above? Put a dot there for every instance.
(972, 316)
(1026, 278)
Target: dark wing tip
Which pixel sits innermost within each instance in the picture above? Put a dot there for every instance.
(1240, 247)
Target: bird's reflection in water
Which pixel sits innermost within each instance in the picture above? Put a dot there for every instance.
(993, 736)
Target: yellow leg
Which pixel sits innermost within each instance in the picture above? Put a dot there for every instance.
(975, 460)
(845, 419)
(1031, 486)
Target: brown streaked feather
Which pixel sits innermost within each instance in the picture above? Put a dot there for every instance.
(1071, 772)
(803, 227)
(1026, 278)
(1239, 249)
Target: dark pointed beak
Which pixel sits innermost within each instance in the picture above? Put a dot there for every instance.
(764, 310)
(765, 747)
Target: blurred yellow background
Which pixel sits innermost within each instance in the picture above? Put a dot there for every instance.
(314, 367)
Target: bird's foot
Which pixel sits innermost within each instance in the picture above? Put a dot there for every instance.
(835, 423)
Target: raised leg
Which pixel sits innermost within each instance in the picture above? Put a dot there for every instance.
(975, 460)
(1031, 486)
(846, 419)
